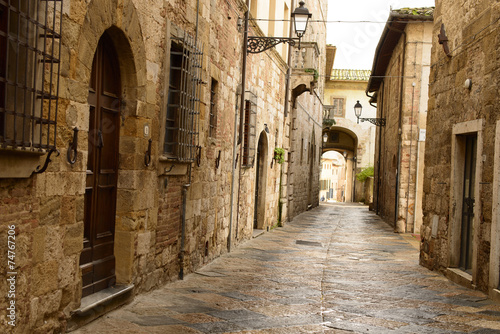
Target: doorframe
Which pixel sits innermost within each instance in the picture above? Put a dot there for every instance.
(261, 182)
(456, 191)
(494, 279)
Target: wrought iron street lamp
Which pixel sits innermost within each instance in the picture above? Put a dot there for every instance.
(358, 108)
(325, 137)
(300, 18)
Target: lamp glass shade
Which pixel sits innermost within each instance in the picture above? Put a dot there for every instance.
(357, 109)
(325, 137)
(301, 16)
(301, 24)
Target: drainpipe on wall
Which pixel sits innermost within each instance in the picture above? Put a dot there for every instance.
(233, 168)
(379, 147)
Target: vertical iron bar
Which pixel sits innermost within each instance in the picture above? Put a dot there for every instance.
(26, 70)
(42, 93)
(35, 75)
(182, 99)
(58, 71)
(51, 39)
(16, 79)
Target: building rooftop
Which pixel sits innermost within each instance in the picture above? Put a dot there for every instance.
(423, 11)
(350, 75)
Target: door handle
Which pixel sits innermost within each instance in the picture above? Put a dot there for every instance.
(100, 140)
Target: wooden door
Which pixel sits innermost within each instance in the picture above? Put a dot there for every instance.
(97, 258)
(468, 200)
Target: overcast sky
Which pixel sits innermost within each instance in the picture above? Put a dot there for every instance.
(356, 42)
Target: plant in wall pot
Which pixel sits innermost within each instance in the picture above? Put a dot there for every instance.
(279, 155)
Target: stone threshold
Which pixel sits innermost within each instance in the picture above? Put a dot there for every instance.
(102, 297)
(495, 295)
(256, 233)
(460, 277)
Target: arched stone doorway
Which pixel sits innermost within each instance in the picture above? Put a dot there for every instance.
(97, 259)
(345, 142)
(127, 59)
(261, 182)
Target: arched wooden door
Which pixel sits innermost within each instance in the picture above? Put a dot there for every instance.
(97, 259)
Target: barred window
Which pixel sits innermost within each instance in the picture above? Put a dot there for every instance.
(183, 101)
(250, 119)
(212, 129)
(30, 34)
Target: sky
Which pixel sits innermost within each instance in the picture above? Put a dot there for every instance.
(356, 42)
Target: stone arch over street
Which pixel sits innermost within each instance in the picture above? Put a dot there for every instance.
(345, 142)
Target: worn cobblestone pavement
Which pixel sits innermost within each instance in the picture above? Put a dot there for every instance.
(334, 269)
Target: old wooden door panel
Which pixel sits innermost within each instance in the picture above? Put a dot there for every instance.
(97, 258)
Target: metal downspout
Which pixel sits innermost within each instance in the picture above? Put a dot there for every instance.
(186, 186)
(379, 149)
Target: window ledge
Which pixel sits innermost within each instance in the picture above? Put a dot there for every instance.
(170, 166)
(18, 164)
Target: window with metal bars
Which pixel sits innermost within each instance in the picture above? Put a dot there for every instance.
(250, 118)
(183, 101)
(212, 129)
(30, 48)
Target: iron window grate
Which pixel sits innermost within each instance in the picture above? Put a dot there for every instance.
(30, 48)
(183, 105)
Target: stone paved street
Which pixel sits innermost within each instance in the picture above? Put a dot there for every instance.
(334, 269)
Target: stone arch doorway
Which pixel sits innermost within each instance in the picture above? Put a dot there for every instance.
(113, 96)
(345, 142)
(97, 259)
(261, 182)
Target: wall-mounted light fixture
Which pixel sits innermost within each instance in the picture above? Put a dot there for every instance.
(325, 137)
(300, 18)
(266, 128)
(358, 108)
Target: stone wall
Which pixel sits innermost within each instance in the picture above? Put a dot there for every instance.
(454, 112)
(399, 102)
(48, 209)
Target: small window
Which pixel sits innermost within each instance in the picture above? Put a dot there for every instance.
(336, 109)
(30, 34)
(212, 129)
(250, 119)
(183, 100)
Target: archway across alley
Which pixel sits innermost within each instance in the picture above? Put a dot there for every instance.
(338, 165)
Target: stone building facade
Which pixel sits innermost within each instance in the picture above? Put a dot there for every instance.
(355, 141)
(149, 144)
(398, 86)
(461, 225)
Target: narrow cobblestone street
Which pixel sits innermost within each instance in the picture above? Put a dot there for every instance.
(334, 269)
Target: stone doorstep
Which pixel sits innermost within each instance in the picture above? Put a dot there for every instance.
(257, 232)
(102, 297)
(460, 277)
